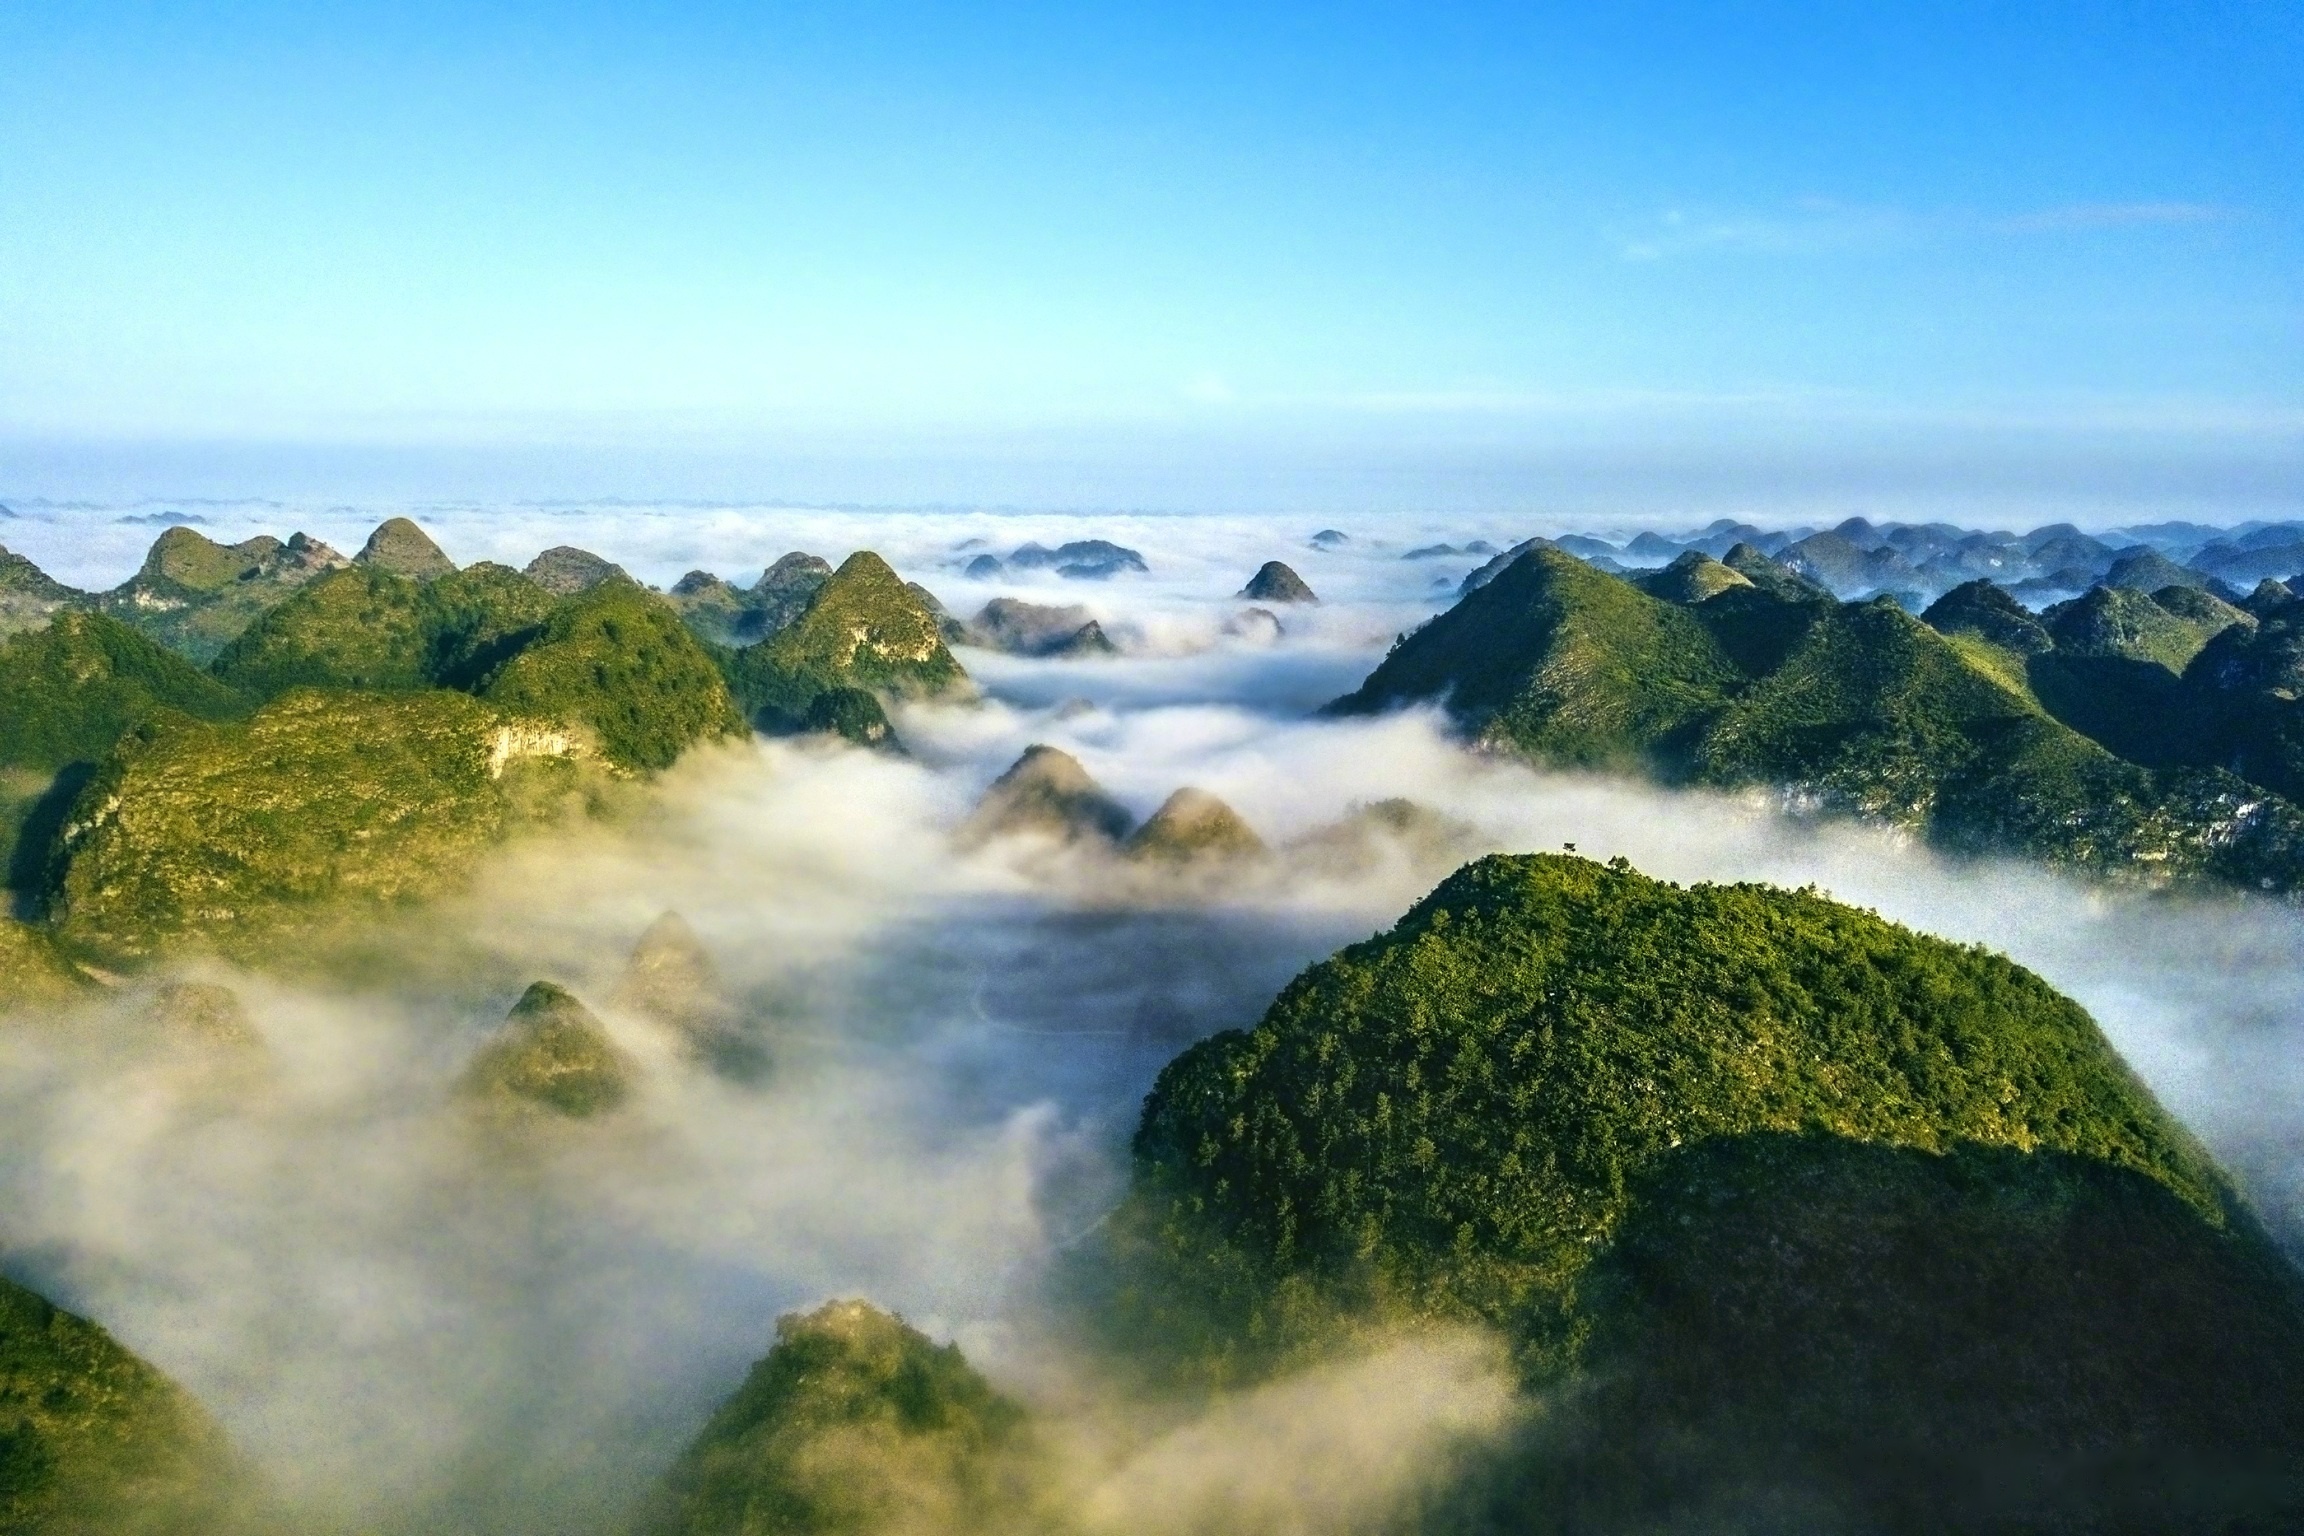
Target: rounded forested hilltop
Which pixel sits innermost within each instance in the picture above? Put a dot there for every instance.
(855, 1422)
(1451, 1113)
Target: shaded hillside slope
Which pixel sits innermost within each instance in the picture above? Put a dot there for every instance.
(93, 1440)
(1794, 1216)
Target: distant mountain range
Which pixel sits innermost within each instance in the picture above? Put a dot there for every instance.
(1918, 562)
(2152, 737)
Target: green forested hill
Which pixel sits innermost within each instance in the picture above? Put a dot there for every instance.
(218, 831)
(617, 659)
(1455, 1107)
(67, 693)
(613, 657)
(138, 814)
(1776, 1201)
(94, 1442)
(862, 629)
(194, 595)
(29, 596)
(371, 627)
(1564, 661)
(2070, 738)
(855, 1423)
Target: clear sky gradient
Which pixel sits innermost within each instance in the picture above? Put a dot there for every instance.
(1666, 254)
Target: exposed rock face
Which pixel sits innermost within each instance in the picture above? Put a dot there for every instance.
(854, 1423)
(1047, 792)
(1192, 825)
(404, 549)
(1275, 583)
(552, 1055)
(565, 570)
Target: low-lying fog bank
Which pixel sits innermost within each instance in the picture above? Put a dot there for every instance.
(417, 1318)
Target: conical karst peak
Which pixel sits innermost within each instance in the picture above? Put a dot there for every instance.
(1276, 583)
(552, 1054)
(1193, 824)
(404, 549)
(1047, 791)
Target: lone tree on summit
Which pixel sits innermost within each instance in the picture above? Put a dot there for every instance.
(1275, 583)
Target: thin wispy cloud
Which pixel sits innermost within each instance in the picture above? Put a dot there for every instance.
(2083, 216)
(1821, 226)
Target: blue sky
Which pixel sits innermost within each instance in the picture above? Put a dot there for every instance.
(1403, 251)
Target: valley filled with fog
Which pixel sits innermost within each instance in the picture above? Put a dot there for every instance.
(413, 1320)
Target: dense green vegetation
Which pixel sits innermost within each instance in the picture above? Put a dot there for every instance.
(93, 1441)
(863, 629)
(853, 715)
(1448, 1117)
(725, 615)
(2069, 737)
(33, 972)
(1564, 661)
(399, 546)
(371, 773)
(195, 596)
(854, 1422)
(29, 595)
(618, 660)
(192, 829)
(552, 1054)
(367, 627)
(1797, 1218)
(67, 693)
(613, 657)
(1808, 1332)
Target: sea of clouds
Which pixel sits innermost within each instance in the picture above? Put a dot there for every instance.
(415, 1319)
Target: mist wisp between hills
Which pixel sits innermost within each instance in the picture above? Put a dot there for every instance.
(415, 1317)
